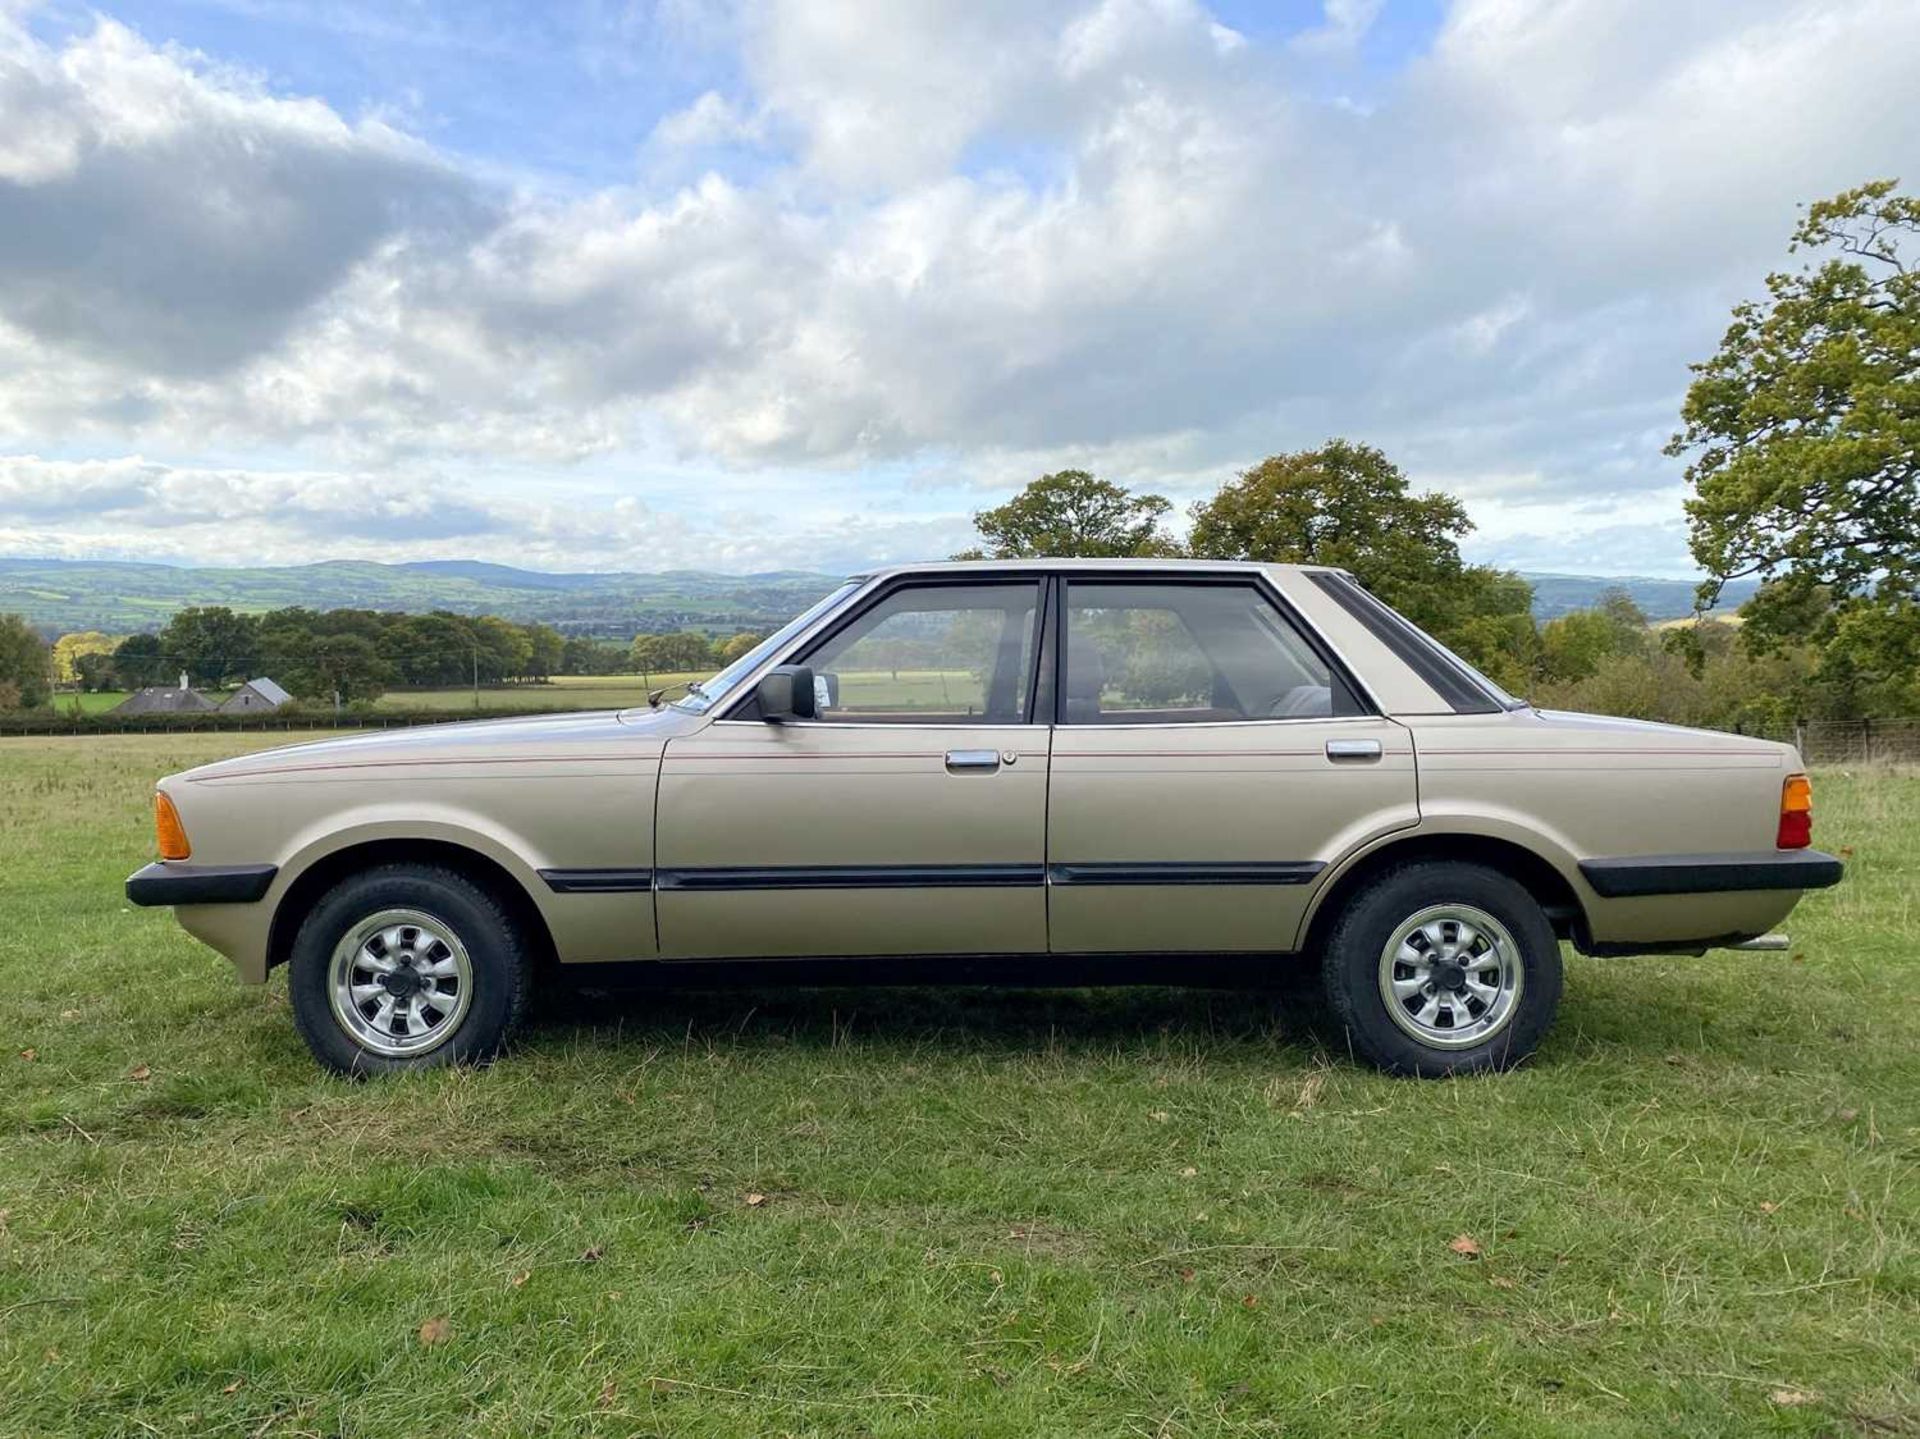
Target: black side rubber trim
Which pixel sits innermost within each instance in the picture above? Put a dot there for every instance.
(1031, 969)
(1647, 874)
(177, 882)
(597, 881)
(852, 876)
(1408, 645)
(1229, 872)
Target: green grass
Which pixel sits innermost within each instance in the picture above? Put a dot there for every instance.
(96, 702)
(1140, 1212)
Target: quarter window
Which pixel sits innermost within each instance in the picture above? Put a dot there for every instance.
(1189, 654)
(933, 654)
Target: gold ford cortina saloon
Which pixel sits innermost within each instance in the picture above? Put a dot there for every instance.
(1051, 766)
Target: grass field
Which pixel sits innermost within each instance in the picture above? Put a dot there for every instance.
(563, 692)
(1127, 1212)
(97, 702)
(586, 692)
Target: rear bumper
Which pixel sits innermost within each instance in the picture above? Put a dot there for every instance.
(1638, 876)
(172, 882)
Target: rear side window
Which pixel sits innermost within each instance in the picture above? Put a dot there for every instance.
(1189, 654)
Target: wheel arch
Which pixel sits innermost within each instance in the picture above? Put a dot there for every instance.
(329, 869)
(1540, 876)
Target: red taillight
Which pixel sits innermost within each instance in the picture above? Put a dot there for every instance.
(1796, 813)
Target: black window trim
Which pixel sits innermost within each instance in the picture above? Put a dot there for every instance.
(1046, 648)
(1363, 704)
(1055, 581)
(1447, 677)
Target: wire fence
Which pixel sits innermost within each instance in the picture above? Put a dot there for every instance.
(1855, 742)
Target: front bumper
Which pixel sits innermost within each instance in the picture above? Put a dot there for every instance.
(1641, 875)
(178, 882)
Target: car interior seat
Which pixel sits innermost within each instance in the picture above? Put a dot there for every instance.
(1086, 677)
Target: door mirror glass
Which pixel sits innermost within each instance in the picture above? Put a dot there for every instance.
(786, 692)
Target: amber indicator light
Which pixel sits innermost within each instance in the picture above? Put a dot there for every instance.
(168, 830)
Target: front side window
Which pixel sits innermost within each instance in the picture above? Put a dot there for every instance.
(1188, 654)
(932, 654)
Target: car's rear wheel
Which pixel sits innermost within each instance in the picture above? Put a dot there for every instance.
(407, 967)
(1438, 967)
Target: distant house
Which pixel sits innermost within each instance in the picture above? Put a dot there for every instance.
(163, 700)
(257, 695)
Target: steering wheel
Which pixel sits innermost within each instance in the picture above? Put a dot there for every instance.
(1302, 702)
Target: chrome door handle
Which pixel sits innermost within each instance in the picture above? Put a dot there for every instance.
(973, 759)
(1338, 749)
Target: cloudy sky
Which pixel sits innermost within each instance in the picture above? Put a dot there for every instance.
(757, 284)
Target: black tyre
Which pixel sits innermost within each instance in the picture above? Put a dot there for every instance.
(1437, 967)
(408, 967)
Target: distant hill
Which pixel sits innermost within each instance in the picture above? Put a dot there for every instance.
(1661, 599)
(122, 596)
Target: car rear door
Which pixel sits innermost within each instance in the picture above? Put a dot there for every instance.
(1211, 760)
(909, 817)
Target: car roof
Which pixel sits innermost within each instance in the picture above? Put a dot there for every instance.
(1027, 566)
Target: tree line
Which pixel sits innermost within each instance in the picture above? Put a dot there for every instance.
(353, 654)
(1347, 505)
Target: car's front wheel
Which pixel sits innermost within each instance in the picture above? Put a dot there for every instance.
(1438, 967)
(407, 967)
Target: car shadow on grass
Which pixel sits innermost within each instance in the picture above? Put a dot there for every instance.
(894, 1004)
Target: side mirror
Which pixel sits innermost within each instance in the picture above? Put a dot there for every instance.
(785, 692)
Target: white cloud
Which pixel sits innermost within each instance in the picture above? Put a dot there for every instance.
(1345, 25)
(710, 120)
(133, 507)
(171, 221)
(981, 235)
(880, 96)
(131, 490)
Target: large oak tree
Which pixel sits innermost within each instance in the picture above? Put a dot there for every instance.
(1803, 440)
(23, 665)
(1071, 514)
(1349, 506)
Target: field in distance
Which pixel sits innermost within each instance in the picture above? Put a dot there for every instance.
(563, 692)
(908, 688)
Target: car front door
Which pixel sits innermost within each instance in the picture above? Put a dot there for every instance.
(907, 817)
(1211, 760)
